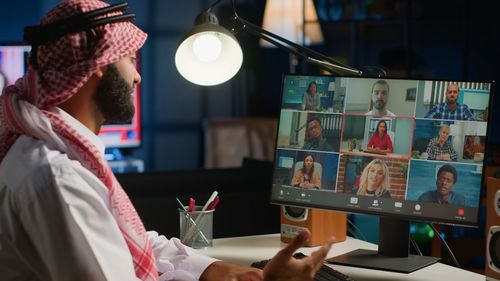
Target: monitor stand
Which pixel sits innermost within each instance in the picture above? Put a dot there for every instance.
(393, 250)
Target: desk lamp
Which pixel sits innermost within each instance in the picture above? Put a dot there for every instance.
(210, 54)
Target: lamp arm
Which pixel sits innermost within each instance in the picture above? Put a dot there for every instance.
(334, 67)
(307, 54)
(216, 3)
(275, 43)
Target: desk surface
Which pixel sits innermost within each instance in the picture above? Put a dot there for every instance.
(248, 249)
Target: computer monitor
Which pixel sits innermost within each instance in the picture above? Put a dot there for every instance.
(395, 148)
(14, 64)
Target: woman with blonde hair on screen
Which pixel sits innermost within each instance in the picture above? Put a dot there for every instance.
(374, 180)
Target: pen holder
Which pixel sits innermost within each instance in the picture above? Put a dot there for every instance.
(196, 228)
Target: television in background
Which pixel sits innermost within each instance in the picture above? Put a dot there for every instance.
(116, 137)
(14, 64)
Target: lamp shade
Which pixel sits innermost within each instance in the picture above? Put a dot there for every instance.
(209, 54)
(286, 18)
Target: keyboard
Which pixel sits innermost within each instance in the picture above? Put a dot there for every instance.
(325, 273)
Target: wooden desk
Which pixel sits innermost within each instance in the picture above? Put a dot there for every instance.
(248, 249)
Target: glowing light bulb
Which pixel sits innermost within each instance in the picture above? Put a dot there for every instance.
(207, 47)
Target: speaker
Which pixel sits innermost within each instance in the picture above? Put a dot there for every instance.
(492, 266)
(321, 223)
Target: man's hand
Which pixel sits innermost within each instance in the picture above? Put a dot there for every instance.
(223, 271)
(282, 267)
(285, 267)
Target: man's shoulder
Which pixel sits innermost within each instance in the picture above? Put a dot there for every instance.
(30, 158)
(388, 113)
(428, 192)
(324, 145)
(427, 195)
(439, 107)
(466, 109)
(463, 106)
(458, 196)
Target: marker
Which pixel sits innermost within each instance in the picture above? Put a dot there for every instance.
(210, 200)
(205, 207)
(192, 221)
(191, 204)
(214, 203)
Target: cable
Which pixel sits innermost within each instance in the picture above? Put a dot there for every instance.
(41, 34)
(357, 229)
(374, 71)
(415, 245)
(351, 233)
(446, 246)
(214, 4)
(302, 52)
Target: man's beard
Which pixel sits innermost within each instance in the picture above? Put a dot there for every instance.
(379, 104)
(113, 97)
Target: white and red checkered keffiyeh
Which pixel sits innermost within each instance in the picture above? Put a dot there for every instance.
(63, 67)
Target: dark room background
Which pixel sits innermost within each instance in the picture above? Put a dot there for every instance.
(428, 39)
(415, 39)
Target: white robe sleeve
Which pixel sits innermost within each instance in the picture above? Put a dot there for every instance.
(175, 261)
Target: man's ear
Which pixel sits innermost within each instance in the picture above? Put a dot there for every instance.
(100, 72)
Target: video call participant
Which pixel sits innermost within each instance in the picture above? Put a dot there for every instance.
(379, 99)
(380, 141)
(306, 177)
(311, 99)
(314, 137)
(472, 146)
(63, 215)
(374, 180)
(444, 194)
(440, 148)
(451, 109)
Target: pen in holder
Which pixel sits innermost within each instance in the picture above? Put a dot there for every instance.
(196, 228)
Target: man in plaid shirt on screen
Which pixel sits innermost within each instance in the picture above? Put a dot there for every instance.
(451, 109)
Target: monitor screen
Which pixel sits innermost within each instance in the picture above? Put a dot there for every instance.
(13, 65)
(404, 149)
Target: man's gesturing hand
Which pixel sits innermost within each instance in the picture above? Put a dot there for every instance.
(283, 266)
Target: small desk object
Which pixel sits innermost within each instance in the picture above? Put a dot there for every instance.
(248, 249)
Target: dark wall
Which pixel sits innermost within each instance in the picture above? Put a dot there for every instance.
(244, 193)
(409, 38)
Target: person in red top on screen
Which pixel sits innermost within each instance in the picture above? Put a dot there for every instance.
(380, 141)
